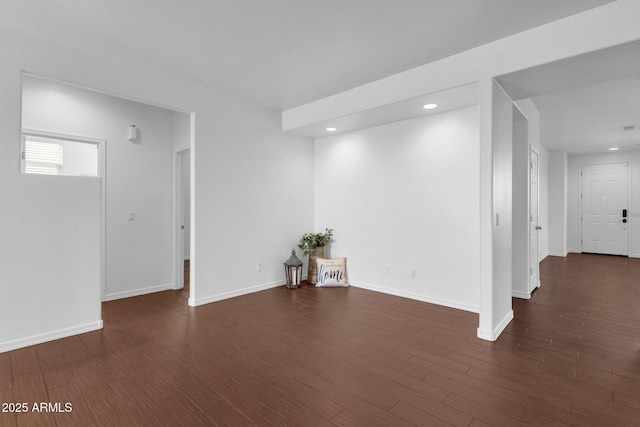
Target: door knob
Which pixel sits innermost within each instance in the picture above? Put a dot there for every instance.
(538, 227)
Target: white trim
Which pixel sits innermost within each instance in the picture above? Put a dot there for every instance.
(232, 294)
(417, 297)
(50, 336)
(138, 292)
(102, 165)
(522, 295)
(561, 254)
(493, 335)
(65, 136)
(192, 207)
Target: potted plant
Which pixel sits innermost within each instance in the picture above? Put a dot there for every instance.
(313, 245)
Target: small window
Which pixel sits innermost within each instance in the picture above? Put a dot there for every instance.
(52, 154)
(42, 157)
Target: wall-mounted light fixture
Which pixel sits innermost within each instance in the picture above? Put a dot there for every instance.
(132, 134)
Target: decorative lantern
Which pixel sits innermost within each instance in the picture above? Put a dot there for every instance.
(293, 271)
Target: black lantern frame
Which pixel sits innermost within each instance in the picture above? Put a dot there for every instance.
(293, 271)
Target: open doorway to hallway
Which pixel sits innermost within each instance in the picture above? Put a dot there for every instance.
(140, 140)
(584, 119)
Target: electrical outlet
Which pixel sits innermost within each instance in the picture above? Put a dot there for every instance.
(414, 273)
(259, 266)
(388, 268)
(132, 216)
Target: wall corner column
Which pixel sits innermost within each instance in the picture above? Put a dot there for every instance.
(485, 328)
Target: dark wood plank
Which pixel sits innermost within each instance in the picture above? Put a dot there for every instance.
(24, 360)
(80, 415)
(6, 373)
(7, 419)
(418, 417)
(225, 415)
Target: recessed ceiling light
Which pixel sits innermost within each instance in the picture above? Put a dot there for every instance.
(331, 129)
(430, 106)
(613, 149)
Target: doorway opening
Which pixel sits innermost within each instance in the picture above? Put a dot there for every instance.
(137, 172)
(525, 222)
(183, 215)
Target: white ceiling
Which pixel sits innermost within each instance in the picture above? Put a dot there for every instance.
(585, 101)
(592, 118)
(281, 53)
(285, 53)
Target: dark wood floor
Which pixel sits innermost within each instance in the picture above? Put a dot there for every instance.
(348, 357)
(187, 269)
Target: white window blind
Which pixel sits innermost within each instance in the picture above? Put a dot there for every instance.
(42, 157)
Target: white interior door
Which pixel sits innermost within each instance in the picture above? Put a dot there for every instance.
(604, 209)
(534, 227)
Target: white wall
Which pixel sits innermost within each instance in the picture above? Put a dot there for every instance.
(532, 114)
(520, 201)
(573, 196)
(80, 159)
(50, 246)
(599, 28)
(543, 203)
(138, 177)
(502, 210)
(558, 175)
(181, 125)
(403, 195)
(252, 200)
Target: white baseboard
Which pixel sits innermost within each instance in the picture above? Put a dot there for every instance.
(560, 254)
(49, 336)
(418, 297)
(138, 292)
(493, 335)
(543, 257)
(520, 294)
(226, 295)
